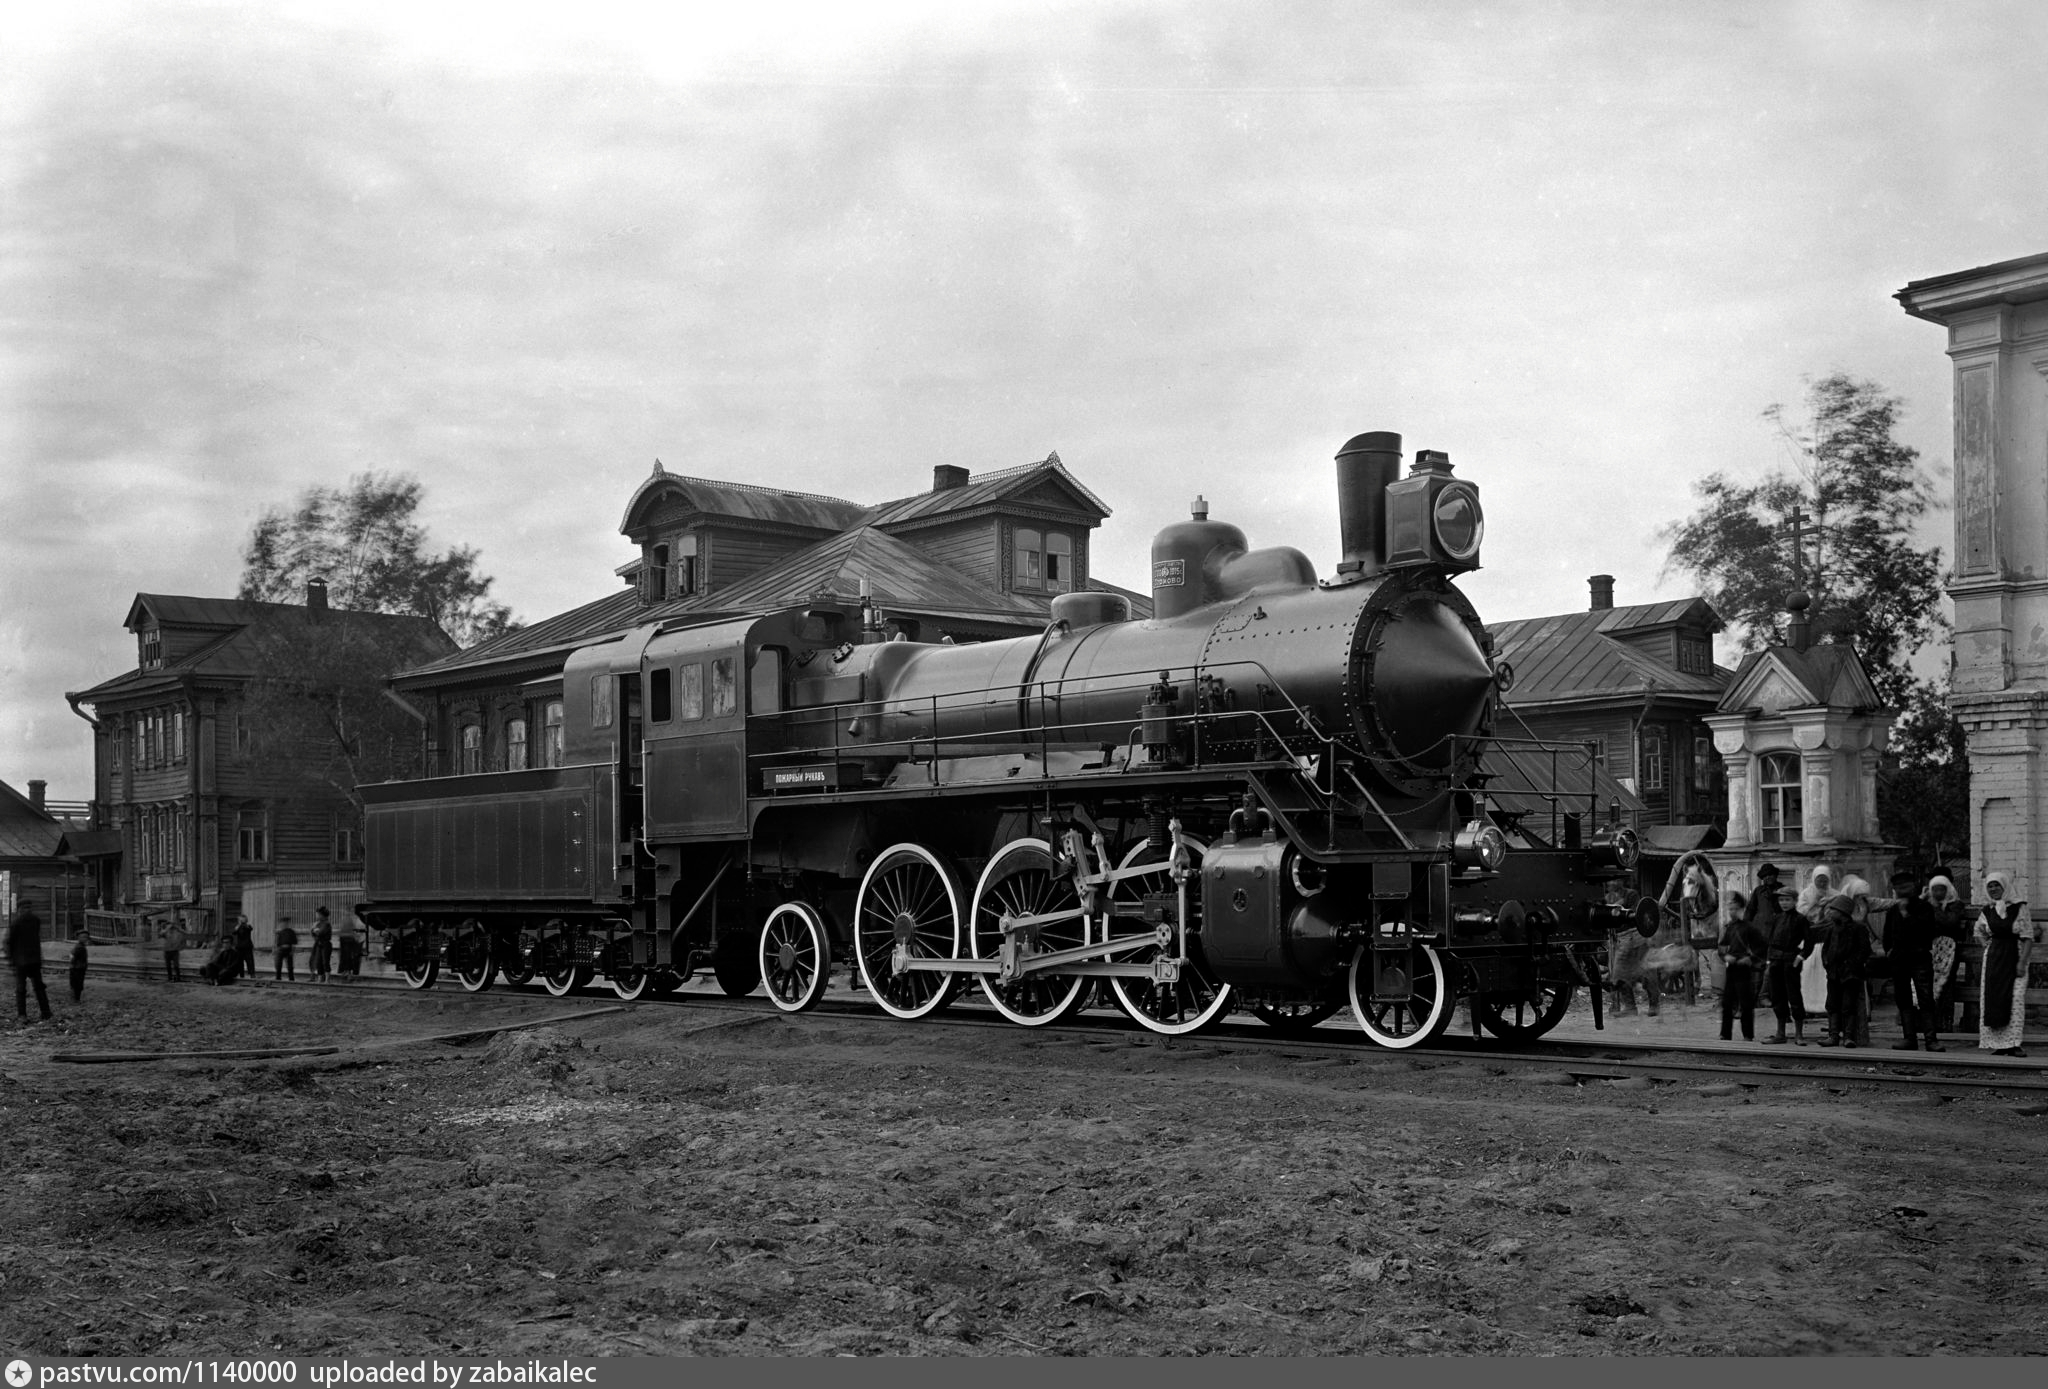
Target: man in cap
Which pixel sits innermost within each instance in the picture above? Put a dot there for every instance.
(25, 954)
(1910, 927)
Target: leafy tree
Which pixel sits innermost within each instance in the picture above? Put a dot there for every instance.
(363, 539)
(1923, 790)
(317, 708)
(1863, 489)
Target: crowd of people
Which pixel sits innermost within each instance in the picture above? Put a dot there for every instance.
(1816, 950)
(233, 955)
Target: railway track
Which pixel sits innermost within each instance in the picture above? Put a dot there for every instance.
(1582, 1061)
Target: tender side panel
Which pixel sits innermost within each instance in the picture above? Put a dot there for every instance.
(508, 835)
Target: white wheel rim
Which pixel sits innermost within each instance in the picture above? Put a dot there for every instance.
(629, 992)
(943, 994)
(561, 988)
(1124, 988)
(989, 987)
(797, 924)
(488, 973)
(1430, 1027)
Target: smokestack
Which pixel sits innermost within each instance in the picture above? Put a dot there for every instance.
(1603, 591)
(947, 476)
(316, 596)
(37, 790)
(1365, 466)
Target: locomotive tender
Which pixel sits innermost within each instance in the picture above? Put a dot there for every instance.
(1273, 795)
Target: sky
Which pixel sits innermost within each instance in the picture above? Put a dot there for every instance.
(520, 252)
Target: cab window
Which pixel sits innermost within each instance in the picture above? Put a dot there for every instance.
(725, 692)
(601, 701)
(690, 691)
(658, 704)
(764, 682)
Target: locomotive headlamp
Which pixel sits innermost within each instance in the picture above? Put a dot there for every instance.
(1613, 846)
(1480, 845)
(1458, 521)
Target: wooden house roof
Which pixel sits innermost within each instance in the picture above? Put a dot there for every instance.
(741, 501)
(1523, 778)
(231, 655)
(26, 833)
(1579, 657)
(1049, 477)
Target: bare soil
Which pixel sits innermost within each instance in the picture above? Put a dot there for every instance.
(685, 1179)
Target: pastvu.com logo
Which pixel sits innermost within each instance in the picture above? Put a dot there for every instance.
(19, 1373)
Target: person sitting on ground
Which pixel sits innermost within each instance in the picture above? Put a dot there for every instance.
(1845, 952)
(225, 964)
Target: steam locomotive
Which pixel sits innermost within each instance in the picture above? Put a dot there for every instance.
(1276, 794)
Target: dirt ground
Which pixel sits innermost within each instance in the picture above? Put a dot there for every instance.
(689, 1180)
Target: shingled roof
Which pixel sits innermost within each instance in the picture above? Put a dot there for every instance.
(985, 489)
(1578, 656)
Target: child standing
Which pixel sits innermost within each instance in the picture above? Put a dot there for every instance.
(1845, 951)
(78, 956)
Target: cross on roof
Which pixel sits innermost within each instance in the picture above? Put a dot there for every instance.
(1796, 523)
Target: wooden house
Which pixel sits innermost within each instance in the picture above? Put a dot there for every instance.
(38, 868)
(192, 801)
(1636, 684)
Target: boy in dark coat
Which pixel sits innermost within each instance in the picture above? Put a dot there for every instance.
(285, 953)
(1845, 952)
(245, 947)
(1742, 948)
(78, 961)
(1788, 938)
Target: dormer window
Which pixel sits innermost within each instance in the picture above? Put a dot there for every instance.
(1695, 655)
(1043, 561)
(152, 648)
(670, 570)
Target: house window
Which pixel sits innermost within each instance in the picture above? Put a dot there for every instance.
(348, 843)
(1703, 764)
(683, 573)
(1028, 559)
(178, 735)
(1599, 746)
(725, 698)
(252, 836)
(1695, 657)
(515, 745)
(1778, 781)
(470, 757)
(141, 742)
(1059, 562)
(1653, 760)
(690, 691)
(152, 648)
(657, 574)
(551, 734)
(243, 737)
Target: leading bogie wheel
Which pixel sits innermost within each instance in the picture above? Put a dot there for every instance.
(1024, 879)
(1295, 1017)
(1422, 1012)
(909, 897)
(471, 956)
(1198, 999)
(631, 982)
(796, 957)
(1530, 1015)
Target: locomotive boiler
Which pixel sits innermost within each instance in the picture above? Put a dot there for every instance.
(1277, 793)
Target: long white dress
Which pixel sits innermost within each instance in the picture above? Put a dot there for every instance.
(1813, 975)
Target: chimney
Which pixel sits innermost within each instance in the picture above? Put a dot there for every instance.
(946, 477)
(1365, 465)
(316, 596)
(1603, 592)
(36, 792)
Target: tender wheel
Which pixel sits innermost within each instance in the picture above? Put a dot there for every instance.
(1023, 879)
(422, 968)
(1296, 1017)
(630, 982)
(1420, 1017)
(515, 957)
(910, 896)
(796, 957)
(470, 956)
(1198, 999)
(559, 972)
(1527, 1018)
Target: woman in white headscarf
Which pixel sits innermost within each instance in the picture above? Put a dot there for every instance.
(1813, 976)
(1948, 938)
(2007, 934)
